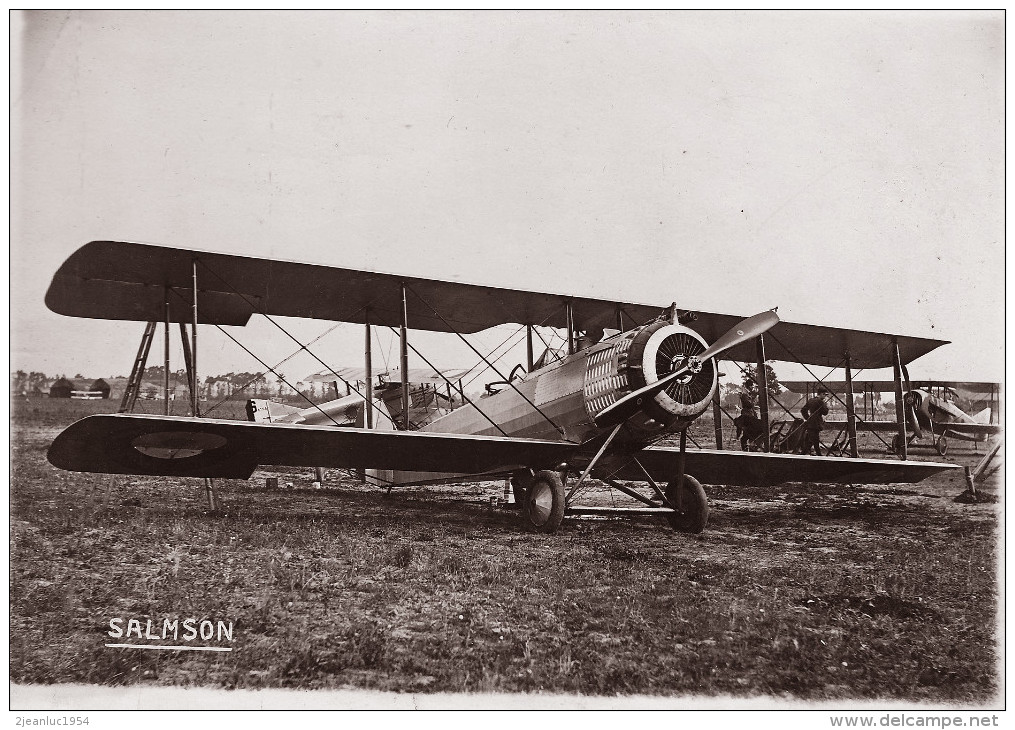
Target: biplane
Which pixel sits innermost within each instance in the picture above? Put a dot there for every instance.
(427, 398)
(930, 408)
(628, 376)
(943, 419)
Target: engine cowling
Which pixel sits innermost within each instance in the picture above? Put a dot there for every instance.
(641, 357)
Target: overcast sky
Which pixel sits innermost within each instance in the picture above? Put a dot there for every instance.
(847, 167)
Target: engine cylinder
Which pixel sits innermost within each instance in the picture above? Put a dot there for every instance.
(656, 351)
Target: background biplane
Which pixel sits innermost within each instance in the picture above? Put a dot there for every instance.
(431, 394)
(595, 411)
(932, 408)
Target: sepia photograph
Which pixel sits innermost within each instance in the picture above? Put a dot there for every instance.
(508, 360)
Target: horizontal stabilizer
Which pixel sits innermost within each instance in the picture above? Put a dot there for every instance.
(260, 410)
(206, 447)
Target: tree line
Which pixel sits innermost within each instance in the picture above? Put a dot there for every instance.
(251, 383)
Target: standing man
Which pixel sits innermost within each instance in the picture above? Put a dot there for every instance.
(748, 423)
(814, 412)
(749, 402)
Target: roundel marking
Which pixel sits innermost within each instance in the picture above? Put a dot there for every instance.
(177, 444)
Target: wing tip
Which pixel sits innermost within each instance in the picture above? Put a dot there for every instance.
(110, 443)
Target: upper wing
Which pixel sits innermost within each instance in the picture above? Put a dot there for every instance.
(968, 388)
(119, 280)
(759, 469)
(206, 447)
(816, 344)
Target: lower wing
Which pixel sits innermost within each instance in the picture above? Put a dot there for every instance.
(972, 429)
(761, 469)
(876, 426)
(206, 447)
(968, 431)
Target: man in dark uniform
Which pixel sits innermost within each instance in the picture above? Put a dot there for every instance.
(749, 402)
(748, 423)
(814, 412)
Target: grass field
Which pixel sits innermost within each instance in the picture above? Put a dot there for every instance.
(801, 592)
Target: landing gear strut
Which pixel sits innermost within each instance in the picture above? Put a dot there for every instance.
(686, 497)
(520, 483)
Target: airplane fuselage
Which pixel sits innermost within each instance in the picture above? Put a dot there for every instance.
(559, 400)
(943, 418)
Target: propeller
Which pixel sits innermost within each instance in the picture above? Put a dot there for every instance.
(909, 403)
(914, 421)
(627, 406)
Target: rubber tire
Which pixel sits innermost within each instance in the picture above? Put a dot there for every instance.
(896, 445)
(695, 503)
(543, 508)
(942, 445)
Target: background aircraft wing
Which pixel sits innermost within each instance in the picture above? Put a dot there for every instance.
(205, 447)
(887, 386)
(121, 280)
(760, 469)
(393, 375)
(876, 426)
(968, 428)
(939, 427)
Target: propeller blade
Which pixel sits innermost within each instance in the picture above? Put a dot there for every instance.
(627, 406)
(915, 422)
(746, 330)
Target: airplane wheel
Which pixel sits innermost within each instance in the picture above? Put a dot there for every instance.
(896, 445)
(544, 502)
(691, 503)
(942, 445)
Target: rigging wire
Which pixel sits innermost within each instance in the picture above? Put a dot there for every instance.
(497, 347)
(510, 384)
(821, 380)
(461, 392)
(278, 364)
(290, 336)
(475, 376)
(380, 348)
(264, 364)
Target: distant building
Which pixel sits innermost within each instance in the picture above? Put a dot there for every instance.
(100, 386)
(61, 388)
